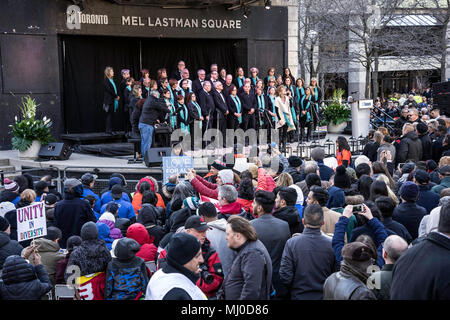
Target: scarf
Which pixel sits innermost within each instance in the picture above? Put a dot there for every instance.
(254, 80)
(199, 110)
(237, 102)
(354, 271)
(261, 107)
(272, 98)
(184, 93)
(184, 117)
(294, 115)
(173, 117)
(308, 114)
(300, 93)
(129, 88)
(116, 102)
(240, 81)
(172, 98)
(316, 98)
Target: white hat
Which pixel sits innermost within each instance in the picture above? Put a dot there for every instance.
(113, 246)
(107, 216)
(6, 207)
(362, 159)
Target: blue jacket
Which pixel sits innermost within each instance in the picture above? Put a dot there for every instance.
(336, 198)
(398, 228)
(427, 198)
(339, 232)
(126, 209)
(98, 204)
(106, 197)
(325, 171)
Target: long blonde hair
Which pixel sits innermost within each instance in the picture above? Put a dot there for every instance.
(284, 180)
(391, 194)
(107, 69)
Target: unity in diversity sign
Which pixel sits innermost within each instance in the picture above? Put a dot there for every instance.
(31, 222)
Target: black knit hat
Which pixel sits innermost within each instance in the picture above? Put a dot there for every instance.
(182, 248)
(72, 242)
(295, 161)
(421, 176)
(89, 231)
(341, 178)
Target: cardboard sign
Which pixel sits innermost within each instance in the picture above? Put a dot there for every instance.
(176, 165)
(31, 222)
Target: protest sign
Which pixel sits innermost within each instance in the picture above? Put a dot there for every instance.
(176, 165)
(31, 222)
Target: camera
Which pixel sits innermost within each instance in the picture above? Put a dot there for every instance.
(206, 276)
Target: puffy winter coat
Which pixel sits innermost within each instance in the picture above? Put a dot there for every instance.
(139, 233)
(22, 281)
(410, 148)
(8, 247)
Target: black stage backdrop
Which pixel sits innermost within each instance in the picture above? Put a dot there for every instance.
(85, 58)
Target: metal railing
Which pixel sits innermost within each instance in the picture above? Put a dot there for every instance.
(385, 119)
(58, 179)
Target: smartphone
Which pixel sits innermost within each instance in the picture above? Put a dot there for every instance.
(357, 208)
(400, 165)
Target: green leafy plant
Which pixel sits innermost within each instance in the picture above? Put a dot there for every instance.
(336, 112)
(28, 129)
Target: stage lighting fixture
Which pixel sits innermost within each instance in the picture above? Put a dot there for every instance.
(267, 4)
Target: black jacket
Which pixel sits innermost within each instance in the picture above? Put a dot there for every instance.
(295, 174)
(152, 109)
(22, 281)
(8, 196)
(197, 86)
(422, 272)
(70, 215)
(398, 228)
(292, 217)
(206, 102)
(308, 260)
(426, 146)
(344, 286)
(410, 148)
(219, 104)
(248, 102)
(109, 94)
(8, 247)
(370, 151)
(410, 215)
(250, 275)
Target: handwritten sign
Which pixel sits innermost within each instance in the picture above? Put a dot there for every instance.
(176, 165)
(31, 222)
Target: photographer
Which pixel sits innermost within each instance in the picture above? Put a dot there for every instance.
(375, 225)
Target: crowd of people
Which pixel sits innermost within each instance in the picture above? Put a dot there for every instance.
(364, 226)
(217, 99)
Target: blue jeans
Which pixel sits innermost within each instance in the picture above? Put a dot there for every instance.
(146, 137)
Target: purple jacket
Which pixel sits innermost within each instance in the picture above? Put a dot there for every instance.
(114, 233)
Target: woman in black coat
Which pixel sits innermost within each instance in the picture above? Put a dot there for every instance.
(135, 97)
(110, 98)
(195, 115)
(317, 98)
(234, 103)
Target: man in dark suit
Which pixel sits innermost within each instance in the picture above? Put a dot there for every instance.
(177, 74)
(197, 84)
(227, 85)
(249, 107)
(220, 116)
(206, 102)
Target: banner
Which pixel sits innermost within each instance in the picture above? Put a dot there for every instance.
(213, 201)
(31, 222)
(176, 165)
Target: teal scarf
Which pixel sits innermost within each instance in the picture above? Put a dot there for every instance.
(199, 110)
(240, 81)
(184, 116)
(183, 93)
(129, 88)
(173, 117)
(316, 98)
(116, 102)
(261, 107)
(254, 80)
(308, 113)
(300, 93)
(237, 102)
(294, 115)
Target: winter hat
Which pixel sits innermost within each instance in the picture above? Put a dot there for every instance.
(6, 207)
(431, 165)
(182, 248)
(4, 224)
(113, 181)
(113, 247)
(409, 191)
(408, 167)
(87, 178)
(226, 176)
(72, 242)
(107, 216)
(341, 178)
(89, 231)
(445, 170)
(191, 203)
(11, 185)
(40, 186)
(362, 159)
(126, 249)
(295, 161)
(422, 128)
(71, 183)
(421, 176)
(246, 190)
(116, 191)
(357, 251)
(219, 165)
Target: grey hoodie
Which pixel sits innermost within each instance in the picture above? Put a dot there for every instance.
(216, 234)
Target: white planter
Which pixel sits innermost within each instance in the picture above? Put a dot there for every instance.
(332, 128)
(32, 153)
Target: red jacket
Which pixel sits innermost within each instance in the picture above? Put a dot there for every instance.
(139, 233)
(265, 181)
(205, 188)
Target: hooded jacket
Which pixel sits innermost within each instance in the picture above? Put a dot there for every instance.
(233, 208)
(108, 219)
(147, 249)
(22, 281)
(292, 217)
(126, 275)
(50, 255)
(410, 148)
(216, 234)
(148, 217)
(104, 234)
(8, 247)
(91, 256)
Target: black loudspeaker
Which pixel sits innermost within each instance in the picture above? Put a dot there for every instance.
(441, 96)
(55, 151)
(153, 156)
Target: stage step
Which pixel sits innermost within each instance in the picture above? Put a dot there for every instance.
(4, 162)
(76, 139)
